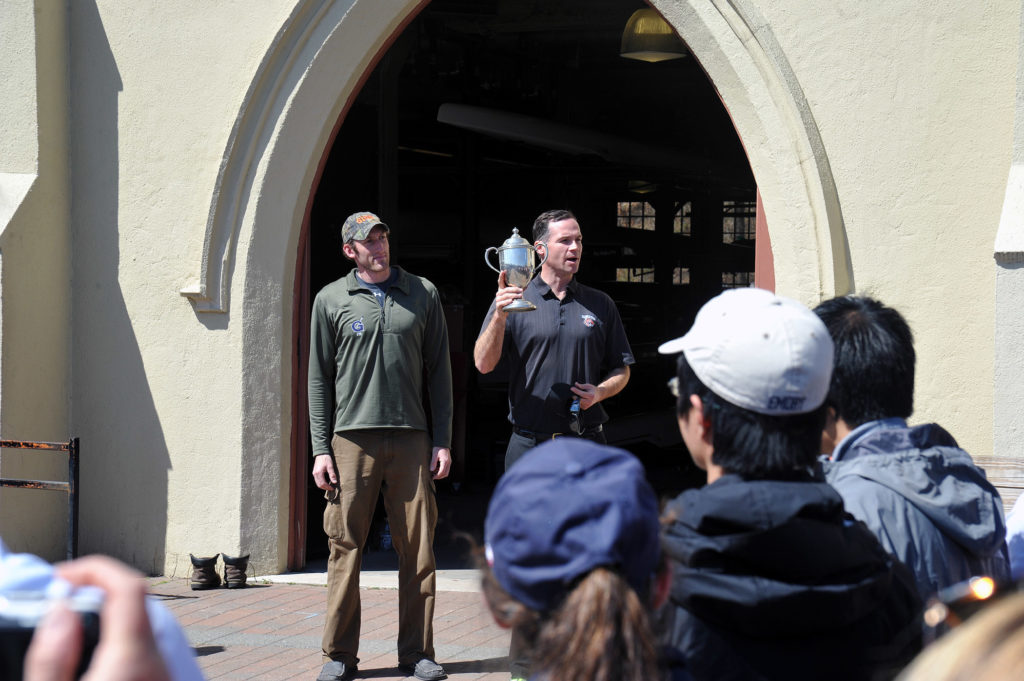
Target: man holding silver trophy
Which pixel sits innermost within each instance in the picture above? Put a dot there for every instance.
(566, 352)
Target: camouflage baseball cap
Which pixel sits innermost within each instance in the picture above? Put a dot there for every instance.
(358, 225)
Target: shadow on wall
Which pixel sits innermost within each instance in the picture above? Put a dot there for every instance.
(35, 248)
(125, 458)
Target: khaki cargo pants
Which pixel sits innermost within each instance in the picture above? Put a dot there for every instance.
(396, 462)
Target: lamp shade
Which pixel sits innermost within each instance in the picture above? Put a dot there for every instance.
(648, 37)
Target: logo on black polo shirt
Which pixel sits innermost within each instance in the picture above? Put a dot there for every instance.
(357, 326)
(589, 320)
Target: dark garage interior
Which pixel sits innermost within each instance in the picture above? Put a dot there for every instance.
(484, 113)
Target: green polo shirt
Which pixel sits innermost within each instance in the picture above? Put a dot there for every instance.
(368, 363)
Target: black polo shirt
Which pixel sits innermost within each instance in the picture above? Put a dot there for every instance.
(577, 339)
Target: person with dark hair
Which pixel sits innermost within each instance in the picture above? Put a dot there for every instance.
(572, 563)
(772, 579)
(573, 347)
(564, 358)
(378, 346)
(913, 486)
(873, 376)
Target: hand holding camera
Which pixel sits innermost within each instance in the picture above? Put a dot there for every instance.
(22, 614)
(126, 650)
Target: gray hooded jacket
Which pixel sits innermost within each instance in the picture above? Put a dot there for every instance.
(925, 500)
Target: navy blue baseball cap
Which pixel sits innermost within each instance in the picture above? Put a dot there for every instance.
(565, 508)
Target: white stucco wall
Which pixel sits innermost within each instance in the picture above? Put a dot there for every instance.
(34, 269)
(1008, 420)
(156, 88)
(915, 104)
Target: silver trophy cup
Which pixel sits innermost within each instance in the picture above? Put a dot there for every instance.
(516, 259)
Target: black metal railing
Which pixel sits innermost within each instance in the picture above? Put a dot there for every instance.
(71, 486)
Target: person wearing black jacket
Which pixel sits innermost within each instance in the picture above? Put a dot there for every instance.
(772, 578)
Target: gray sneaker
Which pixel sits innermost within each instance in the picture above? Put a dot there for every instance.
(336, 670)
(426, 669)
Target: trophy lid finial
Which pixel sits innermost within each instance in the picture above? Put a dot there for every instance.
(515, 241)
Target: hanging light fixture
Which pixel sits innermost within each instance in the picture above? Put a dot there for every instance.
(648, 37)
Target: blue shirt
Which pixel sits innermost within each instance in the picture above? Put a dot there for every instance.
(380, 290)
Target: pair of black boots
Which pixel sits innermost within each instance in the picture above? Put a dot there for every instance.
(204, 572)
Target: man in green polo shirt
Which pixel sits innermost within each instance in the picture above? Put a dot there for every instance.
(376, 336)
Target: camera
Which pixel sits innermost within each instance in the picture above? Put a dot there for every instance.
(21, 612)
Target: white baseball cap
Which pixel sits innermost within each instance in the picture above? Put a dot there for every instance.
(759, 351)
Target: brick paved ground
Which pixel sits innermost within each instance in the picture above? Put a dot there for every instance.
(271, 631)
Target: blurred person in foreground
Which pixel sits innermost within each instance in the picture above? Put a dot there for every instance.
(987, 647)
(138, 639)
(573, 563)
(920, 494)
(772, 578)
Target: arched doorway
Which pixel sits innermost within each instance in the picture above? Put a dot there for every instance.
(314, 73)
(482, 115)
